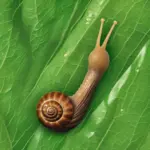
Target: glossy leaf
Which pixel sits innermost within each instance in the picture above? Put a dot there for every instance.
(44, 46)
(5, 142)
(122, 120)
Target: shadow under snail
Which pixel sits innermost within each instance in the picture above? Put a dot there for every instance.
(61, 112)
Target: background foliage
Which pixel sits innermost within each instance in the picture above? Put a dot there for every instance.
(44, 46)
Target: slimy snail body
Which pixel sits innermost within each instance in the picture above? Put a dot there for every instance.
(61, 112)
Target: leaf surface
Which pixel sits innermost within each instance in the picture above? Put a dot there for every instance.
(5, 142)
(44, 46)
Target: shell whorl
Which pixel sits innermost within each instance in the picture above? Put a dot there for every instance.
(55, 110)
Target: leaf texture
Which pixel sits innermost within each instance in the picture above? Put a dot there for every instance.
(44, 46)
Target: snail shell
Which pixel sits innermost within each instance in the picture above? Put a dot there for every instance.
(55, 110)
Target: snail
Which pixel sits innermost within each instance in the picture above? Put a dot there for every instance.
(61, 112)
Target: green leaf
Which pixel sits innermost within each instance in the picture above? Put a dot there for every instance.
(44, 46)
(122, 120)
(146, 143)
(5, 142)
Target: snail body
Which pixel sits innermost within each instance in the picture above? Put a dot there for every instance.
(61, 112)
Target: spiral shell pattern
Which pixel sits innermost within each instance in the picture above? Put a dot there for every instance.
(55, 110)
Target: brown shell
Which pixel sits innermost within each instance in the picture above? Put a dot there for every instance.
(55, 110)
